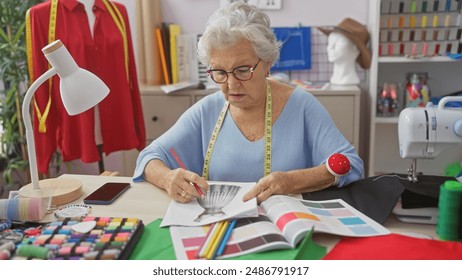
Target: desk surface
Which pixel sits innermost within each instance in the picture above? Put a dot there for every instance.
(142, 200)
(148, 203)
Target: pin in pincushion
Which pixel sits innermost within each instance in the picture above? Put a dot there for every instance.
(338, 165)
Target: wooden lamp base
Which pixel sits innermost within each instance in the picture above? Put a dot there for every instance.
(61, 190)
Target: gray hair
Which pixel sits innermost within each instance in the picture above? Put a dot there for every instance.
(229, 25)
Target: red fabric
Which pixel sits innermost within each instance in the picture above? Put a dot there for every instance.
(394, 247)
(121, 113)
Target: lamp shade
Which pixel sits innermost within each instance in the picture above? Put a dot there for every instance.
(80, 89)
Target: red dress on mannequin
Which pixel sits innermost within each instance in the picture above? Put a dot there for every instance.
(121, 116)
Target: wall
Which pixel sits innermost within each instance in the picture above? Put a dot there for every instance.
(192, 15)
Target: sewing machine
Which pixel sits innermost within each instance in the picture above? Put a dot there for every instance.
(424, 133)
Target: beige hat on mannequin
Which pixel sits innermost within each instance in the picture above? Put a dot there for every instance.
(358, 34)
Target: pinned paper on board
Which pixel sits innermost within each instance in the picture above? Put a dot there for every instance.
(296, 48)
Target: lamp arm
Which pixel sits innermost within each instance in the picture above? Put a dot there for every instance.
(28, 124)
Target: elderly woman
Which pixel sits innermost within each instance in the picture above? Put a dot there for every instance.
(253, 129)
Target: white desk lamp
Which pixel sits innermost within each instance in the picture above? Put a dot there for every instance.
(80, 91)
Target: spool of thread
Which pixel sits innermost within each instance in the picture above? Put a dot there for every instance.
(7, 246)
(34, 252)
(449, 225)
(5, 224)
(23, 209)
(5, 255)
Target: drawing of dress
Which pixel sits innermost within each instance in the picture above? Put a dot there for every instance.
(216, 198)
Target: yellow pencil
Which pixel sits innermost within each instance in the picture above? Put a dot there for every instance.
(217, 240)
(208, 240)
(211, 241)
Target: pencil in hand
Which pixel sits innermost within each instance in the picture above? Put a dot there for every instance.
(198, 189)
(181, 164)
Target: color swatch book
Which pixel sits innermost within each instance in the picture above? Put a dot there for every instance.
(282, 223)
(222, 201)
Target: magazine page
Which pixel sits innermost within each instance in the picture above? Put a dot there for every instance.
(223, 200)
(250, 235)
(295, 217)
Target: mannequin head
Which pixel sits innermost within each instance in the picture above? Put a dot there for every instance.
(347, 44)
(340, 49)
(343, 53)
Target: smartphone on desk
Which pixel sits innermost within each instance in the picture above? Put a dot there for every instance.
(107, 193)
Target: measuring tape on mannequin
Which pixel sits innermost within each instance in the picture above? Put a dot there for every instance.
(51, 37)
(116, 17)
(268, 135)
(119, 21)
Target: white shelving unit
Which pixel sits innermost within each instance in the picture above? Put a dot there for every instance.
(444, 78)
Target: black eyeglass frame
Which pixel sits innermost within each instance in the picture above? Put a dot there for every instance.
(252, 69)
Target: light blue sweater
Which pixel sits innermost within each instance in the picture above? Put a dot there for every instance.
(304, 136)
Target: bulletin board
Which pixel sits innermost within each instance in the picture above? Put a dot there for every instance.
(296, 48)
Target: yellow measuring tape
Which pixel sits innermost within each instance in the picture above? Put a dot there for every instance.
(268, 135)
(29, 45)
(51, 37)
(116, 17)
(119, 21)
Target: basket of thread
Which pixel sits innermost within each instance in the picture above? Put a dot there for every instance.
(449, 222)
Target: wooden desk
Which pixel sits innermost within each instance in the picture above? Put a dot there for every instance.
(148, 203)
(142, 200)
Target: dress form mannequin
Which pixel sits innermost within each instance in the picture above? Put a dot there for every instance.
(343, 53)
(120, 114)
(89, 10)
(88, 4)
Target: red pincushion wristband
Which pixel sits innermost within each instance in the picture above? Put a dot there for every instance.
(338, 165)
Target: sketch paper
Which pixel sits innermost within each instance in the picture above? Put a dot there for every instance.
(282, 223)
(223, 200)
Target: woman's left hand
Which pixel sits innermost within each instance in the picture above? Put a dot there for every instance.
(291, 182)
(274, 183)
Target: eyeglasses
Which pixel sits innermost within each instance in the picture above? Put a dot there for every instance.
(241, 73)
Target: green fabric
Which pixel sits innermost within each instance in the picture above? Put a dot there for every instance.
(155, 244)
(309, 250)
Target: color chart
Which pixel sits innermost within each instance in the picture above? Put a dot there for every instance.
(282, 222)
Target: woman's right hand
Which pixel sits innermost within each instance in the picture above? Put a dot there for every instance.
(178, 182)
